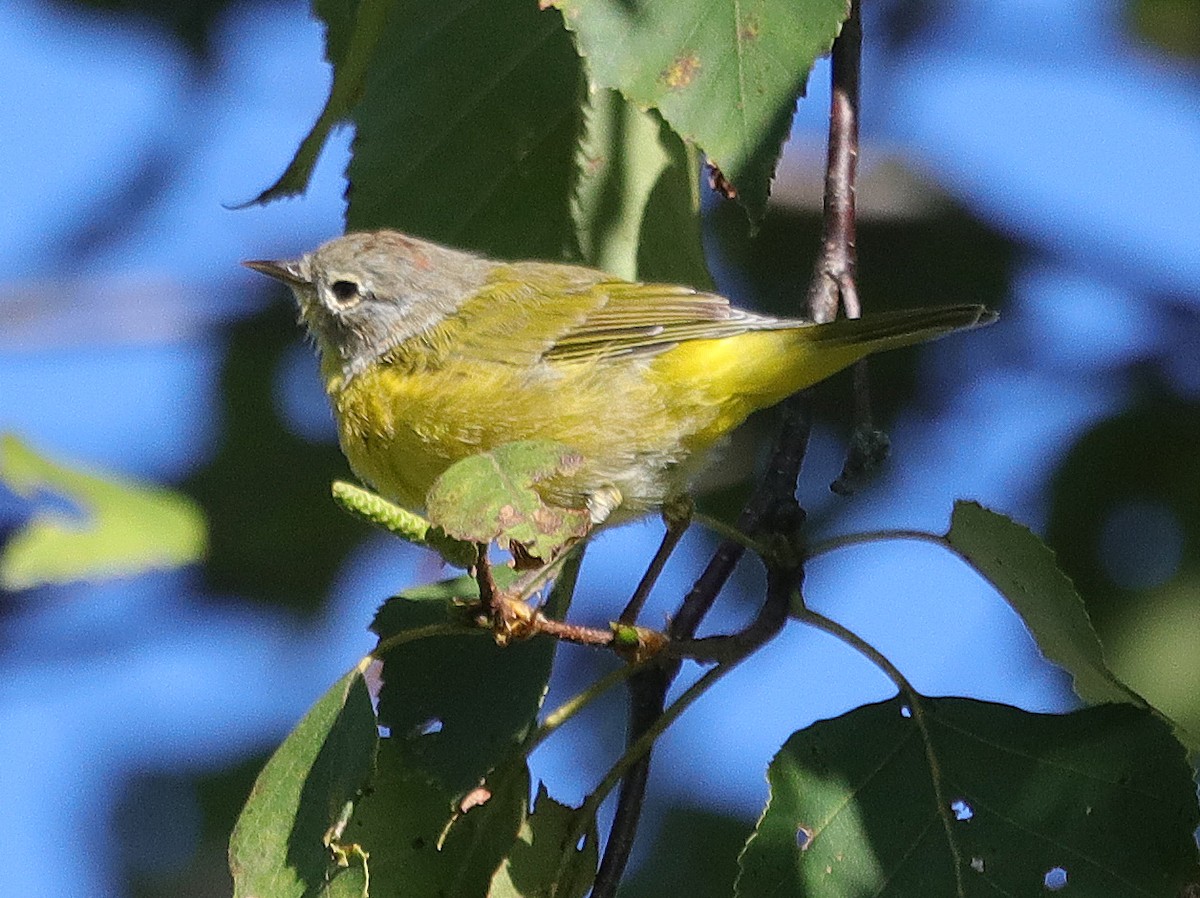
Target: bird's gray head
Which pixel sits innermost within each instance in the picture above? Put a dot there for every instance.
(363, 294)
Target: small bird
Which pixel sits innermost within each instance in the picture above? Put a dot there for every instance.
(431, 354)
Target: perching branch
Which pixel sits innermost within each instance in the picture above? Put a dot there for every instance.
(834, 283)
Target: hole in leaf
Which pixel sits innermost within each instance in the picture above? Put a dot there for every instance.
(385, 732)
(1055, 879)
(905, 711)
(803, 837)
(428, 727)
(473, 799)
(582, 841)
(962, 810)
(977, 864)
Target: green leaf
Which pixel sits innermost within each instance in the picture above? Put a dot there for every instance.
(459, 705)
(960, 797)
(124, 527)
(636, 204)
(492, 496)
(288, 836)
(724, 74)
(1023, 569)
(466, 132)
(352, 32)
(534, 868)
(398, 823)
(452, 785)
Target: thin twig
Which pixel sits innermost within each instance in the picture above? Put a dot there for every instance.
(677, 525)
(833, 283)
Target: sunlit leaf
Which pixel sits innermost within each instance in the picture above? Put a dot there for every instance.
(724, 74)
(121, 527)
(493, 496)
(287, 840)
(959, 797)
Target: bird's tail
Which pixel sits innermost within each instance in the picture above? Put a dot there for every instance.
(891, 330)
(776, 362)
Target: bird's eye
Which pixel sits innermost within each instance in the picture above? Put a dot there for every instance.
(344, 291)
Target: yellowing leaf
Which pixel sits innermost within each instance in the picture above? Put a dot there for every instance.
(493, 496)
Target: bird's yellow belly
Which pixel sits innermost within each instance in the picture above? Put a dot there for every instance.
(401, 429)
(640, 427)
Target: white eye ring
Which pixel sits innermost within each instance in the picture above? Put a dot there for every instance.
(345, 292)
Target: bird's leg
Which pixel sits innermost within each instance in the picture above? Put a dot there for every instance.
(677, 515)
(510, 618)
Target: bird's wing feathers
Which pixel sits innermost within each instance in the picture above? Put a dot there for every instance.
(565, 314)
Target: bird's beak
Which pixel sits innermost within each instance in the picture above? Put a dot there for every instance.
(286, 271)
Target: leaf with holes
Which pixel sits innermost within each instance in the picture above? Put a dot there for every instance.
(121, 528)
(960, 797)
(451, 787)
(494, 496)
(290, 835)
(1024, 571)
(725, 74)
(457, 705)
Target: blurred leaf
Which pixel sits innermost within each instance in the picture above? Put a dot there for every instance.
(1024, 570)
(124, 527)
(1105, 794)
(353, 30)
(694, 853)
(532, 869)
(466, 132)
(627, 158)
(1125, 522)
(1174, 25)
(264, 479)
(492, 496)
(281, 845)
(725, 75)
(457, 706)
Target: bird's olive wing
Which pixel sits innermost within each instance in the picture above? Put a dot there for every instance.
(651, 318)
(560, 313)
